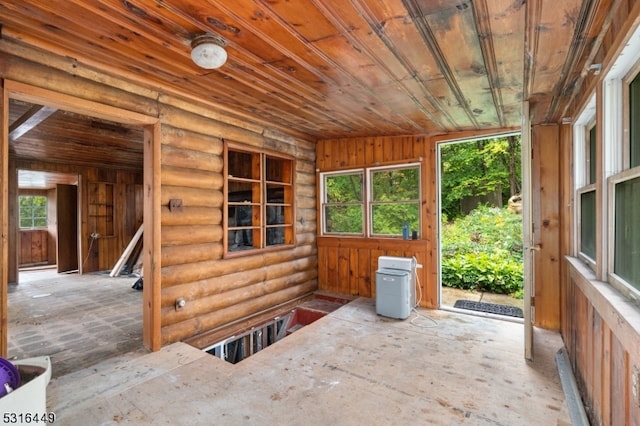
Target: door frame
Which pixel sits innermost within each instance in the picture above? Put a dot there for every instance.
(525, 150)
(152, 145)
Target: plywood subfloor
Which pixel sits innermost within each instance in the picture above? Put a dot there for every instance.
(351, 367)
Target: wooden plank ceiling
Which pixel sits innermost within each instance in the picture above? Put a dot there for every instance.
(333, 68)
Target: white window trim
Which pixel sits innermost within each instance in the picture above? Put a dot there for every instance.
(581, 172)
(582, 256)
(615, 134)
(367, 225)
(323, 202)
(618, 282)
(369, 188)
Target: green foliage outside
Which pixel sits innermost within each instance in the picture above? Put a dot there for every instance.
(483, 251)
(33, 211)
(395, 195)
(477, 168)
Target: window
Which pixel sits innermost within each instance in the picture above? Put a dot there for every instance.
(390, 196)
(588, 224)
(259, 198)
(585, 132)
(33, 211)
(626, 245)
(624, 192)
(617, 187)
(343, 209)
(395, 200)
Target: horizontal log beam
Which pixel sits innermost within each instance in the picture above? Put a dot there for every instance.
(175, 332)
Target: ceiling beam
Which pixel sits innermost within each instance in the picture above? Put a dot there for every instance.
(29, 120)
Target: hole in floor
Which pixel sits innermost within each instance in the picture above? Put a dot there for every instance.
(239, 347)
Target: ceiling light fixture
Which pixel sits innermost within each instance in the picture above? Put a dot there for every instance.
(207, 51)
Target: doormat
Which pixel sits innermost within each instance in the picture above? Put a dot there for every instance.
(490, 308)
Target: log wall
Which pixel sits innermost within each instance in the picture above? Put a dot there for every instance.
(347, 265)
(221, 291)
(186, 157)
(218, 292)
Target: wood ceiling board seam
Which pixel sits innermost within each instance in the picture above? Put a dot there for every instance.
(328, 60)
(283, 86)
(373, 25)
(64, 52)
(423, 75)
(433, 108)
(364, 47)
(483, 28)
(315, 26)
(594, 48)
(429, 38)
(245, 26)
(255, 63)
(581, 41)
(60, 22)
(553, 38)
(445, 33)
(533, 13)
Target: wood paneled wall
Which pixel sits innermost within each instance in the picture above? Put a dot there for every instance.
(105, 251)
(347, 265)
(545, 170)
(34, 247)
(604, 347)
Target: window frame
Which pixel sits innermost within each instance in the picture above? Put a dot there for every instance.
(584, 182)
(371, 203)
(261, 207)
(627, 289)
(324, 203)
(591, 262)
(613, 162)
(32, 216)
(367, 202)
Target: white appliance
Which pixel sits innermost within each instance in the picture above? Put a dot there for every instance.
(395, 286)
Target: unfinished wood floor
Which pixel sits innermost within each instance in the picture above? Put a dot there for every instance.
(351, 367)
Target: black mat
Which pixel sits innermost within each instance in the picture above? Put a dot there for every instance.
(491, 308)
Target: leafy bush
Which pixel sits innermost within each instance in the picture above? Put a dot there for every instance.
(483, 251)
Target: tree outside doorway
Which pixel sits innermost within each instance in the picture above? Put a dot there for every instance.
(481, 224)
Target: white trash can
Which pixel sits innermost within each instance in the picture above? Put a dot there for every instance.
(30, 398)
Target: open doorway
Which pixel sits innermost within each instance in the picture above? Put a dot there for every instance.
(47, 221)
(99, 153)
(481, 249)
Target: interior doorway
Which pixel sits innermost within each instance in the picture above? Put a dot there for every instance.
(481, 239)
(77, 140)
(47, 221)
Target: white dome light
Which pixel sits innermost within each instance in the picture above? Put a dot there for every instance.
(208, 51)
